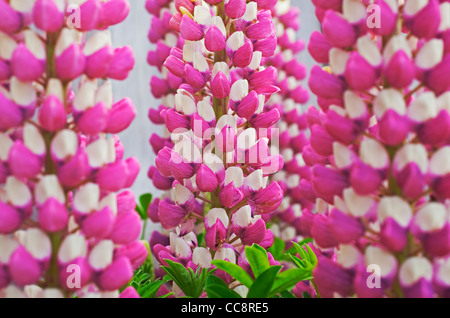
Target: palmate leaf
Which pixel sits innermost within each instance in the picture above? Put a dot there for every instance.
(261, 287)
(143, 204)
(216, 288)
(305, 241)
(235, 271)
(150, 289)
(308, 260)
(257, 258)
(144, 283)
(287, 279)
(270, 281)
(191, 283)
(277, 248)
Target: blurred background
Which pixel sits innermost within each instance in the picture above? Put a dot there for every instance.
(133, 32)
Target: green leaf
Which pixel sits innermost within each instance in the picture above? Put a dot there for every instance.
(234, 270)
(142, 207)
(288, 278)
(302, 242)
(257, 258)
(149, 290)
(145, 200)
(200, 238)
(263, 284)
(298, 262)
(277, 248)
(312, 256)
(190, 282)
(180, 276)
(287, 294)
(140, 211)
(301, 252)
(217, 288)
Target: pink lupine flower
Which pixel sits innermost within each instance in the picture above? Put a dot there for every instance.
(215, 106)
(56, 158)
(380, 135)
(47, 16)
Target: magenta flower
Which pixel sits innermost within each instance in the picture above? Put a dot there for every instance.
(64, 225)
(377, 158)
(214, 88)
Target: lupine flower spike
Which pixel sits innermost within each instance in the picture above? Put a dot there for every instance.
(67, 226)
(378, 149)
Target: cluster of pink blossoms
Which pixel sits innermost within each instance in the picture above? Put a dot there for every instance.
(218, 152)
(379, 148)
(66, 227)
(292, 124)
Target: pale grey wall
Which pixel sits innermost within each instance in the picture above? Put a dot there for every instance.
(133, 31)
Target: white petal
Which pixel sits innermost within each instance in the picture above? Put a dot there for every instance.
(236, 40)
(389, 99)
(34, 44)
(7, 46)
(396, 43)
(247, 138)
(368, 49)
(7, 246)
(104, 94)
(440, 161)
(378, 256)
(338, 60)
(415, 268)
(243, 216)
(5, 145)
(396, 208)
(445, 16)
(110, 201)
(348, 256)
(55, 88)
(201, 257)
(181, 194)
(99, 40)
(353, 10)
(412, 7)
(33, 139)
(220, 67)
(251, 12)
(49, 187)
(226, 253)
(22, 93)
(430, 54)
(97, 153)
(235, 175)
(416, 153)
(38, 244)
(64, 144)
(357, 205)
(217, 213)
(87, 197)
(205, 110)
(202, 15)
(85, 97)
(374, 154)
(73, 246)
(101, 256)
(443, 272)
(200, 62)
(431, 217)
(239, 90)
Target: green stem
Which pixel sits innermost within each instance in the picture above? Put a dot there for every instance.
(144, 229)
